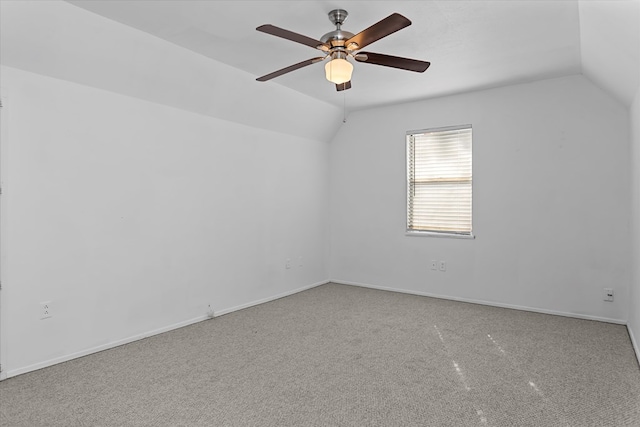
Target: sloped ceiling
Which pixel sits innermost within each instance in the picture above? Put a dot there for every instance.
(57, 39)
(610, 46)
(471, 45)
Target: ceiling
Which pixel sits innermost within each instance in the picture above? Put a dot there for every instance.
(214, 54)
(471, 45)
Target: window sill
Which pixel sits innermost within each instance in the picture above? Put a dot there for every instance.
(434, 234)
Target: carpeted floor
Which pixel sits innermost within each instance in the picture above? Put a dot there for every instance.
(345, 356)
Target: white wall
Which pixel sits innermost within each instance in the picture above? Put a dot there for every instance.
(131, 217)
(634, 301)
(551, 204)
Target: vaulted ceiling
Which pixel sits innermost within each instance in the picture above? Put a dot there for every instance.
(471, 44)
(204, 56)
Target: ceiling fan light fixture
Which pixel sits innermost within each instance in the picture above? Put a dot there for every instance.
(338, 70)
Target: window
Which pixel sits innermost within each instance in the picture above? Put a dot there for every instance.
(439, 181)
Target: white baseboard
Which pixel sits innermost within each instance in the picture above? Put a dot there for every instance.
(490, 303)
(268, 299)
(50, 362)
(634, 343)
(65, 358)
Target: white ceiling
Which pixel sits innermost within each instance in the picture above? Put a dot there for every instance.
(120, 46)
(610, 46)
(471, 45)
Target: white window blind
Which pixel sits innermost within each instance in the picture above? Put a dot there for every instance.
(439, 181)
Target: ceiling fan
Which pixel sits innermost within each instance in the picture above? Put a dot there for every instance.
(338, 45)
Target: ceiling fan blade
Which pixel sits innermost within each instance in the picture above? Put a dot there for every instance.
(392, 61)
(388, 25)
(290, 68)
(343, 86)
(290, 35)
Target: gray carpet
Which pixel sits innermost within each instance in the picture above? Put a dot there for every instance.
(346, 356)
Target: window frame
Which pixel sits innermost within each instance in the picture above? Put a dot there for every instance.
(433, 233)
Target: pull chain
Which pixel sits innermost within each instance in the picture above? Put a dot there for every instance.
(344, 107)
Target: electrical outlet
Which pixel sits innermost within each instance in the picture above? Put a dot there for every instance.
(442, 266)
(45, 310)
(608, 294)
(210, 313)
(287, 263)
(434, 264)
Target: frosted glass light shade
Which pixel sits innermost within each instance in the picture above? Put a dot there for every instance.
(338, 70)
